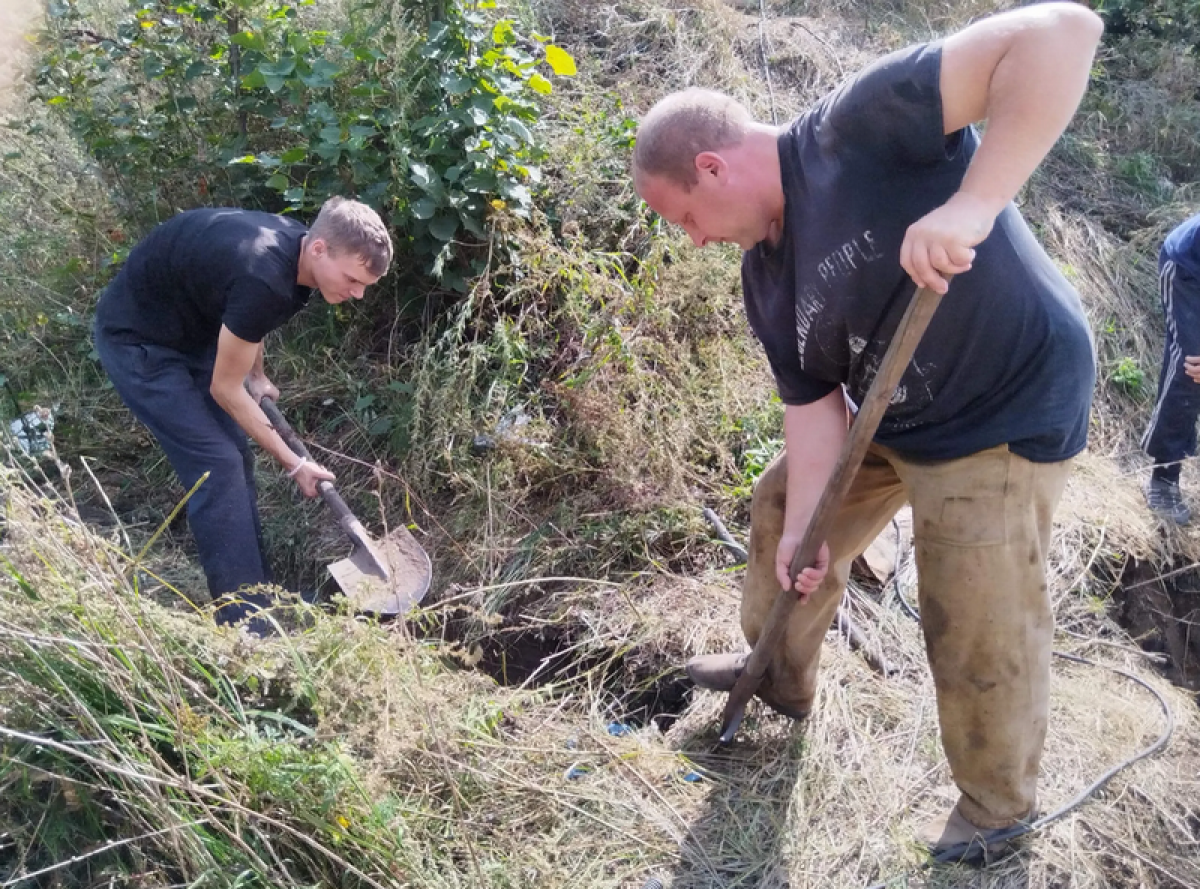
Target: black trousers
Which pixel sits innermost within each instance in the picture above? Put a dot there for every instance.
(168, 391)
(1171, 435)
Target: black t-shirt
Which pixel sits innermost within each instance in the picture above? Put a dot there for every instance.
(202, 269)
(1007, 358)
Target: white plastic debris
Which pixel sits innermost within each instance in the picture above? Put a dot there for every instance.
(33, 432)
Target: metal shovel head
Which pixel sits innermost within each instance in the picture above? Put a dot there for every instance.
(406, 582)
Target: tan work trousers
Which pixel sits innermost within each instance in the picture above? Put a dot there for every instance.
(981, 528)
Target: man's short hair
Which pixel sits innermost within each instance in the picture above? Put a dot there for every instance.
(351, 227)
(683, 125)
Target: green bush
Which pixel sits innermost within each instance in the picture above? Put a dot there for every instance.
(1170, 20)
(425, 110)
(1128, 377)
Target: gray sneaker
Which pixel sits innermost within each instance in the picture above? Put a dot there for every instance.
(1165, 500)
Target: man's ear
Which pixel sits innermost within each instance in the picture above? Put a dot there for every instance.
(709, 163)
(318, 247)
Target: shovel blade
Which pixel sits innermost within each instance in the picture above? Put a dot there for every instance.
(392, 591)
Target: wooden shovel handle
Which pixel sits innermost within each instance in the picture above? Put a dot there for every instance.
(862, 431)
(350, 525)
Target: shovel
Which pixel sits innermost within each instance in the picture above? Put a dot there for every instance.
(384, 577)
(862, 431)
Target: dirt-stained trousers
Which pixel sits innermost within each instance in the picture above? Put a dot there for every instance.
(981, 529)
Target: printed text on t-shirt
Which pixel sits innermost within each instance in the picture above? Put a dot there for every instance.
(846, 259)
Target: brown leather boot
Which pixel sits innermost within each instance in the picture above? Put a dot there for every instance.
(953, 839)
(719, 672)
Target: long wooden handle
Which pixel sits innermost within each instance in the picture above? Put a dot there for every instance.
(895, 361)
(352, 527)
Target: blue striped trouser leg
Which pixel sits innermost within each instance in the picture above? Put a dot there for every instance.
(1171, 434)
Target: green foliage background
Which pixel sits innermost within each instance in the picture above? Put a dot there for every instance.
(421, 109)
(525, 340)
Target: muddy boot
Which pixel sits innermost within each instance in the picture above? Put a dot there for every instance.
(716, 672)
(953, 839)
(719, 672)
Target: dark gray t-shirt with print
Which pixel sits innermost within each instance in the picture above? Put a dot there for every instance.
(204, 268)
(1007, 358)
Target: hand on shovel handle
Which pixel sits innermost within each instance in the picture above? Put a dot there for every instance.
(318, 477)
(311, 477)
(382, 577)
(804, 579)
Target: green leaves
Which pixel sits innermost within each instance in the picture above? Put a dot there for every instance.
(424, 209)
(249, 40)
(423, 176)
(444, 227)
(320, 75)
(476, 152)
(437, 129)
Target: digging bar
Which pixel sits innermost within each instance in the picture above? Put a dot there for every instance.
(862, 430)
(384, 577)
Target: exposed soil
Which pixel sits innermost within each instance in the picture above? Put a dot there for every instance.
(1160, 607)
(639, 686)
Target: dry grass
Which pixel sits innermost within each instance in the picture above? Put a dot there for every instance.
(1117, 280)
(462, 783)
(834, 802)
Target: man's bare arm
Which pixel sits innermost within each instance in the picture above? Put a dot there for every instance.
(814, 434)
(235, 359)
(1024, 72)
(256, 380)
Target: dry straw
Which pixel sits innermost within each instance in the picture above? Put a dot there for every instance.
(416, 772)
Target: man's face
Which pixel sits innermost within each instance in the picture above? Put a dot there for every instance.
(712, 212)
(340, 275)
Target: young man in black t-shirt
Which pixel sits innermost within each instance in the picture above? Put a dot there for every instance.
(180, 332)
(880, 187)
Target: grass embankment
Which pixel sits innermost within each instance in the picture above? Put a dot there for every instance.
(608, 363)
(143, 746)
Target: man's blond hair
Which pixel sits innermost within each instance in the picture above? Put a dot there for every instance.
(351, 227)
(683, 125)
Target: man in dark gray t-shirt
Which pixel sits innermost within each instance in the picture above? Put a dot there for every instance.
(1005, 361)
(880, 187)
(180, 332)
